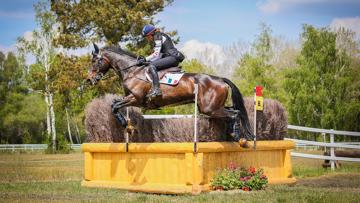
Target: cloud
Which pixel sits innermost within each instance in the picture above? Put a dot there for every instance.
(207, 53)
(7, 49)
(275, 6)
(349, 23)
(28, 36)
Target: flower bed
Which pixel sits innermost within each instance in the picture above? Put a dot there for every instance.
(234, 177)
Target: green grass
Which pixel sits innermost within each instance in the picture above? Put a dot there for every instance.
(303, 168)
(43, 177)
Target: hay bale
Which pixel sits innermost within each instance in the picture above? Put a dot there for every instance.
(271, 122)
(182, 130)
(101, 125)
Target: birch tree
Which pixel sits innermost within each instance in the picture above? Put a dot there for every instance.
(41, 46)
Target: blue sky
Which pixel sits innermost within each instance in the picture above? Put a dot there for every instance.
(224, 22)
(214, 21)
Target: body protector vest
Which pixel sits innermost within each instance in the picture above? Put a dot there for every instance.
(164, 47)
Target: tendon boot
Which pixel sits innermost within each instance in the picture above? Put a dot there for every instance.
(155, 89)
(236, 131)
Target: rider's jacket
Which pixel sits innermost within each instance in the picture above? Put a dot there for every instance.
(163, 47)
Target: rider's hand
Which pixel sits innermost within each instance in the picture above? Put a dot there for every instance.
(140, 60)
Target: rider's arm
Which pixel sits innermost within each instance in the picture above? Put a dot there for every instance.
(157, 48)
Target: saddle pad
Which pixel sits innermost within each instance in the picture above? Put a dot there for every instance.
(169, 78)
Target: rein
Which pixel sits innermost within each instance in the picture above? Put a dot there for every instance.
(123, 69)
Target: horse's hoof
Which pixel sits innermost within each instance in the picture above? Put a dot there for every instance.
(243, 143)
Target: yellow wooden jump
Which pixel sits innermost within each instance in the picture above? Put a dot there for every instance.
(174, 168)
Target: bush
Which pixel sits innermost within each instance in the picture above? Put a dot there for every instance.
(62, 146)
(234, 177)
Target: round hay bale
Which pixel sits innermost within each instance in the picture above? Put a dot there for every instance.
(271, 122)
(182, 130)
(101, 125)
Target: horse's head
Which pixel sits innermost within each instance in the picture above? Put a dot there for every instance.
(100, 65)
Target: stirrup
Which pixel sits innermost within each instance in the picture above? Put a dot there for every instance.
(154, 93)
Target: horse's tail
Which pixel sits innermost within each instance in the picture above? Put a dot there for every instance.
(238, 103)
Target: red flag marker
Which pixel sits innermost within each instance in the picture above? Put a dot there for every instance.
(258, 91)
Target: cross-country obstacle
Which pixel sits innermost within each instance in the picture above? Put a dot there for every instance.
(174, 168)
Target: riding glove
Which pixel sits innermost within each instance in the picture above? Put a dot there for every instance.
(140, 60)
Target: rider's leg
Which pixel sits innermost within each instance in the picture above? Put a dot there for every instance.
(155, 89)
(164, 63)
(160, 64)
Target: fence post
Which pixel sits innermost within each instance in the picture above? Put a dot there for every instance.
(196, 89)
(324, 140)
(127, 133)
(332, 150)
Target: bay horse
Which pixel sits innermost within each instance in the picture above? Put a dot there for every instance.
(212, 91)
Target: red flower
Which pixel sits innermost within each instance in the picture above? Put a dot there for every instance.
(252, 170)
(263, 176)
(245, 188)
(242, 179)
(232, 166)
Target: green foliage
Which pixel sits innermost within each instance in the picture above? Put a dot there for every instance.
(234, 177)
(24, 118)
(194, 66)
(62, 146)
(111, 20)
(255, 68)
(322, 90)
(21, 114)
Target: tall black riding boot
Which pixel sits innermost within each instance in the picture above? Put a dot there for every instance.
(155, 89)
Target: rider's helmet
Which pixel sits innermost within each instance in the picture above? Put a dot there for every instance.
(147, 30)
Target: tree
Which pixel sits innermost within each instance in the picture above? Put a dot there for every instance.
(20, 122)
(41, 46)
(256, 68)
(112, 21)
(321, 91)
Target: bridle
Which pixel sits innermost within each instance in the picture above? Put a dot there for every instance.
(106, 61)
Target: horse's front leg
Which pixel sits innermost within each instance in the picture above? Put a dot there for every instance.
(118, 104)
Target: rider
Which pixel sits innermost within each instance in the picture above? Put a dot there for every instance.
(164, 55)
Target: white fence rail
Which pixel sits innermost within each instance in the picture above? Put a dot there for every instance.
(315, 156)
(332, 145)
(324, 144)
(317, 130)
(32, 147)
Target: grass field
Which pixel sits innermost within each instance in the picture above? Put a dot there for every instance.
(37, 177)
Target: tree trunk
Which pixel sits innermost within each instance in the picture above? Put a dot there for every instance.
(48, 122)
(52, 114)
(77, 134)
(68, 125)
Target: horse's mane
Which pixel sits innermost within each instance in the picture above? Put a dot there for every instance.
(117, 49)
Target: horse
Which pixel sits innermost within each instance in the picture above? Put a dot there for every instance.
(212, 90)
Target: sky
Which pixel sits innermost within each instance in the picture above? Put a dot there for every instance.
(212, 23)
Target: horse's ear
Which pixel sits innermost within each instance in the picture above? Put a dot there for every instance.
(96, 49)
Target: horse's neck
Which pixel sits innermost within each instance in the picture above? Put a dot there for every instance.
(121, 62)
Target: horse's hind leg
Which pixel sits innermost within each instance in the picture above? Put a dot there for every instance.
(225, 113)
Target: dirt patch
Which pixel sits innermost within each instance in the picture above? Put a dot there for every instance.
(332, 180)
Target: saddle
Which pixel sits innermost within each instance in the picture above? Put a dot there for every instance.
(169, 76)
(161, 73)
